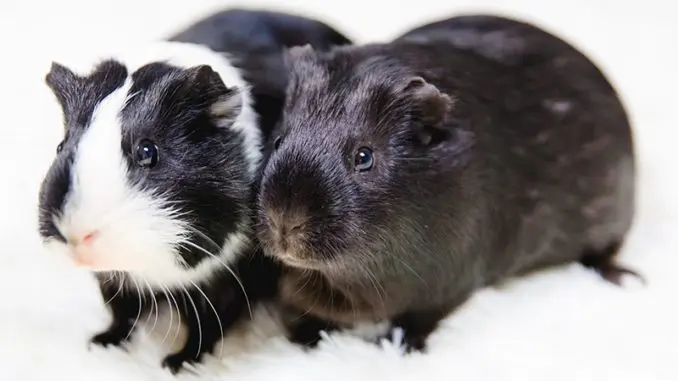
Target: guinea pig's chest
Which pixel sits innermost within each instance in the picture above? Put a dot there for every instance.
(312, 291)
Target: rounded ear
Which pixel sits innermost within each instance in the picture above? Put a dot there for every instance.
(430, 108)
(300, 63)
(201, 79)
(433, 105)
(295, 54)
(202, 90)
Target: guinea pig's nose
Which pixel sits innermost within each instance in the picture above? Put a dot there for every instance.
(85, 239)
(88, 238)
(290, 224)
(286, 226)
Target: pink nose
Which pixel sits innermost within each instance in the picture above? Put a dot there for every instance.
(88, 238)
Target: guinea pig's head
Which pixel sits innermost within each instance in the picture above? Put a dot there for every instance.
(153, 177)
(355, 156)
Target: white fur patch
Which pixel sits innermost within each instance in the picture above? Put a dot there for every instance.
(138, 231)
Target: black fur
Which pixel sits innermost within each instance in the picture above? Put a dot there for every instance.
(255, 40)
(480, 172)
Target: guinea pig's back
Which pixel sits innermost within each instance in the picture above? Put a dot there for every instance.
(244, 31)
(558, 139)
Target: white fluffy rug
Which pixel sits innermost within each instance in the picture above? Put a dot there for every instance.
(562, 324)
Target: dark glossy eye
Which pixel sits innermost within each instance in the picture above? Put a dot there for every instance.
(60, 147)
(364, 159)
(147, 154)
(276, 142)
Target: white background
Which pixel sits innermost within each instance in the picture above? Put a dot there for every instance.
(562, 324)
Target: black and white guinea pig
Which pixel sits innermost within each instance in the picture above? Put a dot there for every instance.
(153, 184)
(407, 175)
(152, 188)
(254, 40)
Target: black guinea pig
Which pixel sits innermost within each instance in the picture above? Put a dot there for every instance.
(153, 185)
(407, 175)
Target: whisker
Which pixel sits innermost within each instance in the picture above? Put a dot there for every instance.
(237, 279)
(136, 285)
(164, 289)
(205, 237)
(120, 287)
(216, 314)
(154, 305)
(331, 300)
(377, 287)
(197, 318)
(176, 333)
(315, 302)
(303, 286)
(410, 269)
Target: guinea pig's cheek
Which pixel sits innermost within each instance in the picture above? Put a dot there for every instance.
(102, 254)
(149, 259)
(60, 249)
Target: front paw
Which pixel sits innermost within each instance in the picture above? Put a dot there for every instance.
(306, 331)
(407, 342)
(414, 343)
(307, 340)
(111, 337)
(176, 361)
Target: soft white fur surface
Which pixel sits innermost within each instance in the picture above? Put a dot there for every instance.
(563, 324)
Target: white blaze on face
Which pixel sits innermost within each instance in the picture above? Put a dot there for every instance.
(109, 223)
(112, 224)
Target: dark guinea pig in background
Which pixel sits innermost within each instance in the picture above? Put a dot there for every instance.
(153, 185)
(254, 41)
(407, 175)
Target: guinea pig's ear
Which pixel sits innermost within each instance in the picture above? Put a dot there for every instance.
(203, 87)
(228, 106)
(203, 78)
(430, 109)
(297, 54)
(64, 84)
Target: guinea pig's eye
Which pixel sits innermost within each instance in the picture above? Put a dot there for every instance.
(364, 159)
(276, 142)
(147, 154)
(60, 147)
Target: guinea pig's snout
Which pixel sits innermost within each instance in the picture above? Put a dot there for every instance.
(287, 225)
(81, 248)
(287, 232)
(88, 238)
(297, 201)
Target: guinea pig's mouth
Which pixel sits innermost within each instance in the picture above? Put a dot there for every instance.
(292, 259)
(291, 251)
(77, 256)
